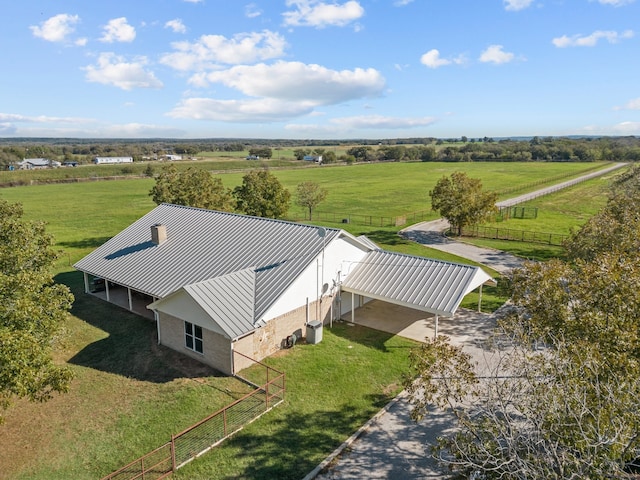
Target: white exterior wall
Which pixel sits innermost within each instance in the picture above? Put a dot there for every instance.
(339, 258)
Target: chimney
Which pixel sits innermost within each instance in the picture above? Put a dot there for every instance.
(158, 233)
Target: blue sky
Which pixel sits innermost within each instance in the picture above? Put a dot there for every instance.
(319, 69)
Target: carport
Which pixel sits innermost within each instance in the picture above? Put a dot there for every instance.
(421, 285)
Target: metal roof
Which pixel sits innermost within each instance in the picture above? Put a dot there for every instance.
(227, 300)
(206, 244)
(433, 286)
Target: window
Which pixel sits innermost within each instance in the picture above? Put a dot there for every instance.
(193, 337)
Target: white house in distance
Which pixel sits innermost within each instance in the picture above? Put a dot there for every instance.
(109, 160)
(219, 282)
(34, 163)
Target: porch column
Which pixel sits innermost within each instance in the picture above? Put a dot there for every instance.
(353, 308)
(480, 300)
(435, 335)
(106, 289)
(86, 282)
(130, 299)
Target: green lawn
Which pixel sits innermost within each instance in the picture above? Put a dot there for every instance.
(129, 395)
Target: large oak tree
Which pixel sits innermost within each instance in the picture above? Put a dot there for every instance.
(461, 200)
(33, 310)
(262, 195)
(192, 187)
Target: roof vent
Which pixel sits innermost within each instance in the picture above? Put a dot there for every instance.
(158, 233)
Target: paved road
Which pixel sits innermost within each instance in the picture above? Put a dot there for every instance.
(391, 446)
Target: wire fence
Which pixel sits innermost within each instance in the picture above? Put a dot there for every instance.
(497, 233)
(371, 220)
(209, 432)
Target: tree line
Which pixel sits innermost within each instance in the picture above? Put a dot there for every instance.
(542, 149)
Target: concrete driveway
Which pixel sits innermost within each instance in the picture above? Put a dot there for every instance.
(391, 445)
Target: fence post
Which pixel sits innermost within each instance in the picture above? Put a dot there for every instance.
(173, 453)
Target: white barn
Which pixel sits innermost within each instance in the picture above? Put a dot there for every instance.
(218, 282)
(108, 160)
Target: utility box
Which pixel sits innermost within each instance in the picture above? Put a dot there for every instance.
(314, 332)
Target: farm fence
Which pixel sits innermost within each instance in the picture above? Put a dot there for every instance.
(370, 220)
(498, 233)
(209, 432)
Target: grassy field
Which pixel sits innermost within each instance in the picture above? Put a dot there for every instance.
(129, 395)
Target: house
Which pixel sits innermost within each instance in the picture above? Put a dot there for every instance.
(109, 160)
(34, 163)
(312, 158)
(218, 283)
(173, 158)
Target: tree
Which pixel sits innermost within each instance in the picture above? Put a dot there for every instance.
(191, 187)
(309, 195)
(32, 310)
(461, 201)
(262, 152)
(261, 194)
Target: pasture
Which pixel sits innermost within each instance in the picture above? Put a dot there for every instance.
(129, 394)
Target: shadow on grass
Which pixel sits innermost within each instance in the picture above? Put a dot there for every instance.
(131, 348)
(94, 242)
(293, 444)
(385, 237)
(365, 336)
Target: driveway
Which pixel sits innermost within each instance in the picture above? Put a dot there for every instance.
(391, 445)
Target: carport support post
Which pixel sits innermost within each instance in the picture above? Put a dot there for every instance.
(353, 308)
(86, 282)
(480, 300)
(435, 335)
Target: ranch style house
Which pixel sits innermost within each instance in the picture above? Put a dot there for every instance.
(217, 282)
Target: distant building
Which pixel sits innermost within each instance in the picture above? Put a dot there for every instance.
(173, 157)
(34, 163)
(107, 160)
(252, 157)
(312, 158)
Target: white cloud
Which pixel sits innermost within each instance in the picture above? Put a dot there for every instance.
(315, 13)
(17, 118)
(432, 59)
(515, 5)
(496, 54)
(210, 50)
(56, 28)
(176, 25)
(630, 105)
(627, 128)
(118, 30)
(380, 121)
(240, 111)
(193, 1)
(112, 69)
(591, 40)
(616, 3)
(402, 3)
(280, 92)
(251, 10)
(296, 81)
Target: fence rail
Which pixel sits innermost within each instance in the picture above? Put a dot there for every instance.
(498, 233)
(208, 432)
(370, 220)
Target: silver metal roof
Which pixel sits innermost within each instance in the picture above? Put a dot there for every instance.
(205, 244)
(433, 286)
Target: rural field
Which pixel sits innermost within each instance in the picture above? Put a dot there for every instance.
(129, 395)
